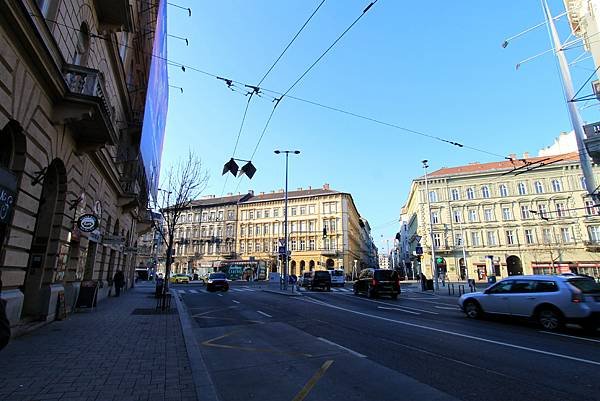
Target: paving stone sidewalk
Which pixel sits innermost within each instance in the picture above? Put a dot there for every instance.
(108, 354)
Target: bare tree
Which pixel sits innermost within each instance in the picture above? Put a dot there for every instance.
(183, 182)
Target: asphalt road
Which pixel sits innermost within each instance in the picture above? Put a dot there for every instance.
(337, 346)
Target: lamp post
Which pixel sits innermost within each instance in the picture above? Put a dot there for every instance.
(433, 267)
(285, 208)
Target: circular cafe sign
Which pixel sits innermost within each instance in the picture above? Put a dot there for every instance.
(87, 223)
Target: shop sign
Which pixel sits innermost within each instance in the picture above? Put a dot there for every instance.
(87, 223)
(113, 239)
(8, 188)
(95, 236)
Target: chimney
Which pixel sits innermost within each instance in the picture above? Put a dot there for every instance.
(309, 187)
(280, 190)
(299, 189)
(325, 186)
(526, 155)
(272, 191)
(229, 193)
(251, 192)
(513, 156)
(262, 193)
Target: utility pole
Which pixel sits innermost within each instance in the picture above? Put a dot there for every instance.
(433, 267)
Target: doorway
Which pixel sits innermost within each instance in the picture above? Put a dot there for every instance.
(514, 266)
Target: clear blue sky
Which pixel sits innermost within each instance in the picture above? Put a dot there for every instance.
(431, 66)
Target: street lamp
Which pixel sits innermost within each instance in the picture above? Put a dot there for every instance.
(285, 267)
(433, 266)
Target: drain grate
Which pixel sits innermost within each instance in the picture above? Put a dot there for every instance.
(152, 311)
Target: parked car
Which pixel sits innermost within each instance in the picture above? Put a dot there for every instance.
(318, 279)
(303, 279)
(551, 301)
(179, 278)
(338, 277)
(217, 282)
(376, 282)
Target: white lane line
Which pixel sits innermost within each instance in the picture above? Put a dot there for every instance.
(398, 306)
(193, 291)
(181, 291)
(220, 295)
(342, 347)
(454, 333)
(456, 308)
(263, 313)
(398, 309)
(234, 301)
(566, 335)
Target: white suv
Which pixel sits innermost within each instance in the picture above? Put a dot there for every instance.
(552, 301)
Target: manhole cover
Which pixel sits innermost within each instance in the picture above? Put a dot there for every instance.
(152, 311)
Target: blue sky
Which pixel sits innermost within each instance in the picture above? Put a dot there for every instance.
(431, 66)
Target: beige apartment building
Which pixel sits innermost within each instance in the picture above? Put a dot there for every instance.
(324, 226)
(73, 83)
(525, 216)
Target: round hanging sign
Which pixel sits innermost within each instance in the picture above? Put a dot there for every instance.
(87, 223)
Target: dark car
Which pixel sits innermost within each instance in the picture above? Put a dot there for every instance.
(318, 279)
(217, 282)
(376, 282)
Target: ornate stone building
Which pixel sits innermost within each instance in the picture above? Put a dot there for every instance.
(73, 85)
(525, 216)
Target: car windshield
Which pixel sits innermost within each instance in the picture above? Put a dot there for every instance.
(306, 275)
(321, 274)
(217, 276)
(337, 273)
(586, 285)
(386, 275)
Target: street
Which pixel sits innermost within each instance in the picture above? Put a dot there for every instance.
(337, 346)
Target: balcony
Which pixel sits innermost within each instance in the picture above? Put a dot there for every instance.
(144, 222)
(329, 252)
(133, 184)
(85, 109)
(592, 246)
(115, 14)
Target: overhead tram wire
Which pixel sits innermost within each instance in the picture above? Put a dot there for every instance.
(186, 67)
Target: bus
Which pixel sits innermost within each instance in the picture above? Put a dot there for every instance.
(244, 269)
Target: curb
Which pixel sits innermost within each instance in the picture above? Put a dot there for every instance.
(293, 294)
(205, 388)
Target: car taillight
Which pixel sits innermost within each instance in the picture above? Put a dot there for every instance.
(374, 282)
(398, 283)
(576, 296)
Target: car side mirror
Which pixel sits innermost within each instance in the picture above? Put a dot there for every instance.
(486, 291)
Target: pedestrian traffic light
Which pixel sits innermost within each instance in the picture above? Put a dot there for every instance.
(439, 260)
(324, 232)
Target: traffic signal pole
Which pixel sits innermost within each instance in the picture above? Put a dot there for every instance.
(433, 266)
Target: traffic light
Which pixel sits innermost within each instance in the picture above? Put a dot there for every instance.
(439, 261)
(324, 232)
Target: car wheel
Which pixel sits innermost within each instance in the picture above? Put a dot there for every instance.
(328, 288)
(394, 296)
(370, 293)
(355, 290)
(550, 318)
(472, 309)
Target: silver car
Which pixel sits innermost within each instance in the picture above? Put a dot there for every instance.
(552, 301)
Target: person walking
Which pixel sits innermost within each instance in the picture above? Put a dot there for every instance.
(119, 280)
(4, 323)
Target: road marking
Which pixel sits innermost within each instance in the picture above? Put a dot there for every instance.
(342, 347)
(398, 309)
(313, 380)
(566, 335)
(454, 333)
(263, 313)
(220, 295)
(181, 291)
(456, 308)
(211, 343)
(237, 302)
(397, 306)
(193, 291)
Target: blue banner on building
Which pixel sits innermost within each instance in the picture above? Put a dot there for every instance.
(157, 101)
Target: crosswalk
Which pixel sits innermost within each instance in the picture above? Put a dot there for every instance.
(332, 290)
(249, 289)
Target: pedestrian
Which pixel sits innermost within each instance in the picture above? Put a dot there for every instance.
(118, 279)
(423, 281)
(4, 323)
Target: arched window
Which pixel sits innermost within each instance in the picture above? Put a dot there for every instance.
(470, 193)
(83, 45)
(522, 188)
(503, 190)
(556, 186)
(455, 194)
(539, 187)
(433, 196)
(485, 191)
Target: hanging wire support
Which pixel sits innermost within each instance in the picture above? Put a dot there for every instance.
(507, 40)
(187, 43)
(574, 99)
(176, 87)
(189, 10)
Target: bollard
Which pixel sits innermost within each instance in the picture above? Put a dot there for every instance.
(461, 289)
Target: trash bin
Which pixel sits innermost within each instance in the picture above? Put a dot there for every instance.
(491, 279)
(429, 285)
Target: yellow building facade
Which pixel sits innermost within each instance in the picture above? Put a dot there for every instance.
(525, 216)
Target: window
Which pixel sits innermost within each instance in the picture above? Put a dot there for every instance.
(311, 226)
(83, 44)
(523, 286)
(473, 215)
(485, 191)
(251, 215)
(547, 236)
(266, 213)
(435, 218)
(565, 234)
(501, 288)
(525, 214)
(457, 216)
(503, 190)
(257, 246)
(470, 193)
(475, 238)
(294, 243)
(275, 212)
(329, 207)
(266, 229)
(294, 227)
(437, 240)
(510, 239)
(212, 216)
(302, 245)
(545, 286)
(522, 188)
(556, 185)
(543, 211)
(539, 187)
(275, 228)
(229, 231)
(561, 210)
(433, 196)
(220, 215)
(454, 194)
(332, 225)
(488, 215)
(594, 232)
(242, 247)
(250, 230)
(311, 244)
(458, 240)
(293, 212)
(302, 210)
(506, 213)
(311, 209)
(529, 238)
(491, 238)
(590, 209)
(259, 214)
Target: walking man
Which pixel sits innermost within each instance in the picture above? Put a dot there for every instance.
(119, 279)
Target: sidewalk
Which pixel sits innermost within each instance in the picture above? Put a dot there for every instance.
(109, 354)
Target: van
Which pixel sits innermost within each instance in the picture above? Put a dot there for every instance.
(338, 277)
